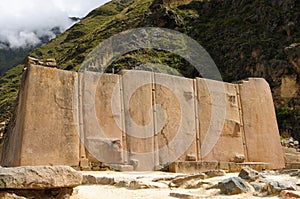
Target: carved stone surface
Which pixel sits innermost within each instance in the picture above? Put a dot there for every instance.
(219, 120)
(141, 119)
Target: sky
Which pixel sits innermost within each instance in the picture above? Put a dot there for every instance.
(23, 22)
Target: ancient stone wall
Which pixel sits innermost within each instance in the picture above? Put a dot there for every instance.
(139, 118)
(45, 132)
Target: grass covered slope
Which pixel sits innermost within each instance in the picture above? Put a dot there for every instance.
(71, 47)
(245, 39)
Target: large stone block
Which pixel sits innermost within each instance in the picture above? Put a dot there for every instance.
(219, 121)
(138, 118)
(100, 117)
(259, 119)
(234, 185)
(192, 167)
(174, 118)
(105, 150)
(40, 177)
(10, 153)
(45, 132)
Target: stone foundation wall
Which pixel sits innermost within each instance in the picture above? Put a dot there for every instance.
(144, 119)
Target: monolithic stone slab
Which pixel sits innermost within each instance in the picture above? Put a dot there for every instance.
(259, 119)
(139, 121)
(40, 177)
(46, 131)
(104, 150)
(100, 129)
(219, 121)
(10, 153)
(174, 113)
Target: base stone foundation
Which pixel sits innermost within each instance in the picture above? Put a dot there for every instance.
(194, 167)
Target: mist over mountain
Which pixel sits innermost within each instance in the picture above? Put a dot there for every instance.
(25, 25)
(15, 45)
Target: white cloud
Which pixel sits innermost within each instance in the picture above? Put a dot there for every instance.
(78, 8)
(22, 22)
(19, 39)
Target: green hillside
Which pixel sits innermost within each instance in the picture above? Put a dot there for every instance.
(245, 39)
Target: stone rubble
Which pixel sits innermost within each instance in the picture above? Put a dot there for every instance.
(292, 155)
(231, 186)
(93, 180)
(290, 194)
(10, 196)
(248, 181)
(39, 177)
(290, 143)
(291, 172)
(251, 182)
(59, 182)
(238, 158)
(248, 174)
(181, 180)
(38, 182)
(214, 173)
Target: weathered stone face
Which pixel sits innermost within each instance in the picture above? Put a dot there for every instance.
(234, 185)
(45, 132)
(226, 118)
(259, 121)
(140, 118)
(41, 177)
(100, 133)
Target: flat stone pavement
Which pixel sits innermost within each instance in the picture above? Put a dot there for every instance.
(151, 185)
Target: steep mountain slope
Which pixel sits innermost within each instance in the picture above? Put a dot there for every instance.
(11, 57)
(245, 38)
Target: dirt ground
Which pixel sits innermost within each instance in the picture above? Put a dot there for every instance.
(163, 191)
